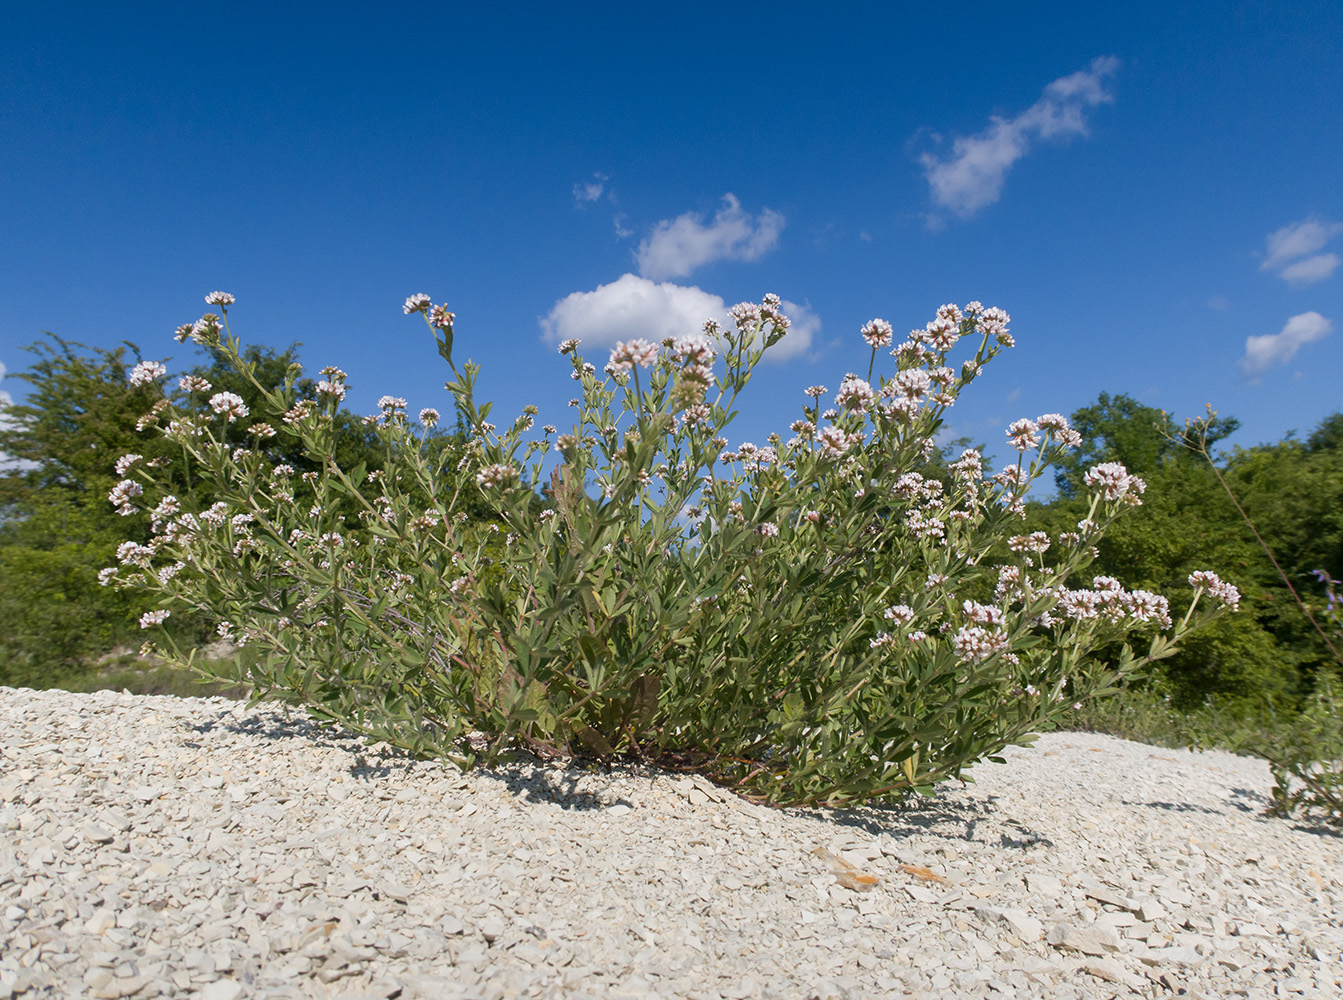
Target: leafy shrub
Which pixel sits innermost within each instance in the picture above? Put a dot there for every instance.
(808, 621)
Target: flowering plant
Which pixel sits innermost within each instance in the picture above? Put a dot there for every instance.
(812, 620)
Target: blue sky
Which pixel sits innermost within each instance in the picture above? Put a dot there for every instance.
(1153, 193)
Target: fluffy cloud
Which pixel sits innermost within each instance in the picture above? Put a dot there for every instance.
(1293, 256)
(633, 306)
(1271, 350)
(678, 246)
(973, 176)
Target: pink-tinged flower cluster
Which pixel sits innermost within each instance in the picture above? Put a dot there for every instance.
(193, 383)
(416, 303)
(1011, 584)
(1111, 602)
(993, 321)
(877, 333)
(922, 525)
(125, 462)
(901, 614)
(912, 486)
(221, 299)
(429, 416)
(134, 554)
(1056, 424)
(747, 314)
(1023, 434)
(331, 389)
(123, 493)
(301, 410)
(855, 394)
(204, 331)
(628, 353)
(1114, 481)
(969, 467)
(751, 457)
(695, 353)
(982, 614)
(151, 618)
(496, 476)
(1215, 586)
(568, 346)
(440, 318)
(835, 442)
(913, 384)
(1036, 541)
(976, 643)
(146, 372)
(229, 405)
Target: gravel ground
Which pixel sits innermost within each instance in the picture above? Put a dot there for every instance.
(155, 846)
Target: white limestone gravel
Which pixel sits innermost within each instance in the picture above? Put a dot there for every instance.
(157, 846)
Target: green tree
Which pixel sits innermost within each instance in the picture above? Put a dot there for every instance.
(1120, 429)
(57, 527)
(1295, 497)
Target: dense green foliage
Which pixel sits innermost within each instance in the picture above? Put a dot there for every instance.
(1293, 493)
(57, 528)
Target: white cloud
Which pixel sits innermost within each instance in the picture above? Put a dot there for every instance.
(8, 464)
(586, 192)
(973, 177)
(1310, 269)
(803, 327)
(632, 306)
(5, 398)
(1271, 350)
(678, 246)
(1299, 240)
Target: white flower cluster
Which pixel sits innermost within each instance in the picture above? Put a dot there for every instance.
(1214, 585)
(877, 333)
(1114, 481)
(496, 476)
(332, 385)
(1109, 601)
(228, 404)
(146, 372)
(1036, 541)
(855, 394)
(628, 353)
(976, 643)
(122, 494)
(125, 462)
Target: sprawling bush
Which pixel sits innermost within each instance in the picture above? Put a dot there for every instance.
(808, 621)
